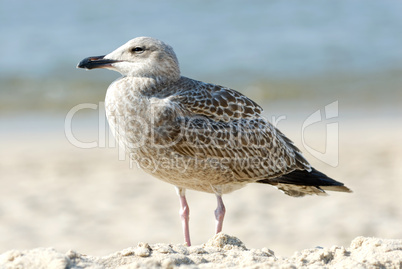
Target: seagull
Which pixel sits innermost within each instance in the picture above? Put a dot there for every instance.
(197, 135)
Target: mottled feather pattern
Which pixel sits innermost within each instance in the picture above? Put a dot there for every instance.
(214, 138)
(233, 128)
(214, 101)
(194, 125)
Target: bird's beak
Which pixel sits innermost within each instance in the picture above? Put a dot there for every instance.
(96, 62)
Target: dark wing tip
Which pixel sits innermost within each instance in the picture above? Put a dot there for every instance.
(306, 182)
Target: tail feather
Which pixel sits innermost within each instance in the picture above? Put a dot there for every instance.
(301, 182)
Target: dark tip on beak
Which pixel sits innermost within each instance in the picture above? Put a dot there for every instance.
(95, 62)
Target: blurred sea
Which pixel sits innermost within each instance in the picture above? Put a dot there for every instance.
(274, 51)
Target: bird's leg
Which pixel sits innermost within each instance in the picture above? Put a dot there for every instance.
(219, 214)
(184, 214)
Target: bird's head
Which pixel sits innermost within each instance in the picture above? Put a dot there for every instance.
(139, 57)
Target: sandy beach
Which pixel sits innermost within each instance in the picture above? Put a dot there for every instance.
(221, 251)
(56, 195)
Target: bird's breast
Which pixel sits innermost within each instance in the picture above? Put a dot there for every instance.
(139, 122)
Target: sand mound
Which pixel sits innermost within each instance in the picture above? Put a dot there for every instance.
(222, 251)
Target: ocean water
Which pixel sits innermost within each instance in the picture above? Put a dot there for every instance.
(269, 50)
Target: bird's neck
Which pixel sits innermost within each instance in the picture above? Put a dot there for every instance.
(148, 86)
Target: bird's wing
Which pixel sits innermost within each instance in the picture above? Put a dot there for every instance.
(216, 102)
(225, 126)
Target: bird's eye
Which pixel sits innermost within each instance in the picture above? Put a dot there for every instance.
(137, 50)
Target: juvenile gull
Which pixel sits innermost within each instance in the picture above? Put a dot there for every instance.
(197, 135)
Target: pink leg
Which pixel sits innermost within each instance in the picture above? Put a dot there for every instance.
(219, 214)
(185, 215)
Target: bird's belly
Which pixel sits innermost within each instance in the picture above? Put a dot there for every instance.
(184, 172)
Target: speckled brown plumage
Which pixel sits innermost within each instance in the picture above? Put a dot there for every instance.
(196, 135)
